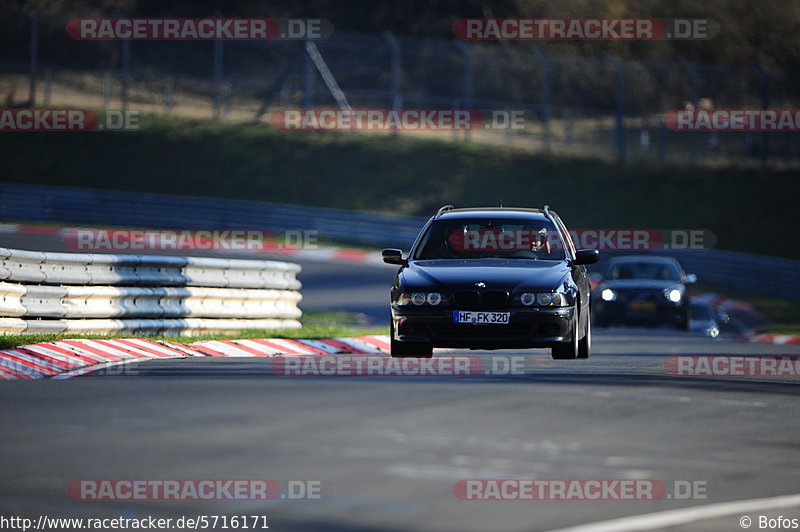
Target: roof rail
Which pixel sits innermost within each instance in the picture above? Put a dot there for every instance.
(548, 213)
(443, 210)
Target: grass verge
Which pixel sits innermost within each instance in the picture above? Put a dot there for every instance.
(315, 325)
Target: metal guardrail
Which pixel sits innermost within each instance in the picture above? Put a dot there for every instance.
(145, 293)
(166, 211)
(771, 276)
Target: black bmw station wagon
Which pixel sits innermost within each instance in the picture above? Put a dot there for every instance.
(491, 278)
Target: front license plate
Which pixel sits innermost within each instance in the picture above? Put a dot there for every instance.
(643, 306)
(481, 318)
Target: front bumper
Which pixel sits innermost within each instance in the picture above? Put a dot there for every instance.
(527, 327)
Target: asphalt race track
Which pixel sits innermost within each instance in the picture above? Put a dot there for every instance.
(389, 449)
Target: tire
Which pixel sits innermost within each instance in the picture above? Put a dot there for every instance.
(585, 344)
(410, 349)
(569, 350)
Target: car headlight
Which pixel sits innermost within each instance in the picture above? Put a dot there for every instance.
(608, 295)
(674, 295)
(544, 299)
(433, 298)
(419, 298)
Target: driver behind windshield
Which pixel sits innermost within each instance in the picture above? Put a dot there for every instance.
(508, 239)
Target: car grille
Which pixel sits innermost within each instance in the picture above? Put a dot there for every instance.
(640, 295)
(472, 299)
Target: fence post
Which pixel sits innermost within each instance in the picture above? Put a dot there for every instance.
(308, 82)
(544, 94)
(169, 88)
(34, 57)
(469, 74)
(619, 128)
(692, 70)
(126, 72)
(765, 90)
(394, 82)
(217, 79)
(48, 84)
(106, 89)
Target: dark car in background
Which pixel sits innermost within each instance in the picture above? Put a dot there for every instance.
(709, 320)
(491, 278)
(643, 289)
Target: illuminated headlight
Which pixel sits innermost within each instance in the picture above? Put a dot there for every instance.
(608, 295)
(673, 295)
(527, 299)
(418, 298)
(434, 298)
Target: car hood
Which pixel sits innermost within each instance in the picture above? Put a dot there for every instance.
(638, 284)
(498, 274)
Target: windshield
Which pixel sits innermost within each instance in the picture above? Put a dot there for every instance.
(643, 270)
(490, 238)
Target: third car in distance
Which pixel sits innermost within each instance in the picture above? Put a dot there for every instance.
(643, 289)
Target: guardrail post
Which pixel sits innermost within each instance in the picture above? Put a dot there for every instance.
(619, 128)
(395, 96)
(765, 89)
(469, 75)
(217, 79)
(544, 95)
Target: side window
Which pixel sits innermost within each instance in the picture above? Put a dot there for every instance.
(564, 234)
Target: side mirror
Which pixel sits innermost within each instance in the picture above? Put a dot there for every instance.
(586, 256)
(691, 278)
(394, 256)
